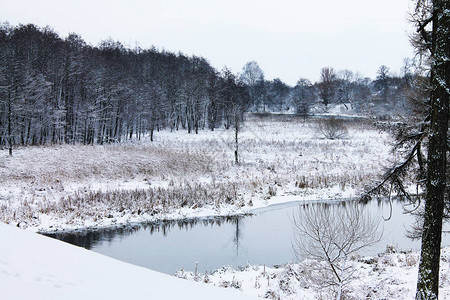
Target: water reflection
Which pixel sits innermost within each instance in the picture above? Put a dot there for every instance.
(237, 234)
(90, 238)
(263, 238)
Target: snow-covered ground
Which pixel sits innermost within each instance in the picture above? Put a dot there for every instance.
(183, 175)
(178, 176)
(33, 266)
(37, 267)
(389, 275)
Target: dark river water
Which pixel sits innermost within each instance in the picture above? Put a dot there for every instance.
(264, 237)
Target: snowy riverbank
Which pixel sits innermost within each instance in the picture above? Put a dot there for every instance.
(389, 275)
(37, 267)
(182, 175)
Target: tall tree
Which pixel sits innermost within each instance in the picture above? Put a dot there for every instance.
(303, 97)
(345, 87)
(382, 82)
(7, 80)
(431, 40)
(432, 20)
(327, 85)
(236, 102)
(252, 75)
(277, 95)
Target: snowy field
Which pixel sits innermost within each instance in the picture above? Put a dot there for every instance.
(180, 175)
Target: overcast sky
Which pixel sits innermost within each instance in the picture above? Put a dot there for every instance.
(288, 38)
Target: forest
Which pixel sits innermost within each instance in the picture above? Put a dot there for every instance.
(55, 90)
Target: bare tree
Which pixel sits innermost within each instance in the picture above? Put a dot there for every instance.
(236, 100)
(327, 85)
(238, 116)
(332, 233)
(303, 97)
(332, 128)
(345, 87)
(382, 82)
(252, 75)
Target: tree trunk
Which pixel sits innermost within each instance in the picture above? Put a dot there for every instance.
(428, 279)
(236, 140)
(10, 137)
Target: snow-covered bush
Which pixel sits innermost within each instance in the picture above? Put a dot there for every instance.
(332, 128)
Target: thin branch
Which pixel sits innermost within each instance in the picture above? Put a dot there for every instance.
(394, 173)
(423, 33)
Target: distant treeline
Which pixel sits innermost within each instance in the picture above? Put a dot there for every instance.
(65, 91)
(55, 90)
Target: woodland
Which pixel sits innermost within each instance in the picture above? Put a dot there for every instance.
(55, 90)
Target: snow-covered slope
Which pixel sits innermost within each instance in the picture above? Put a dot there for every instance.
(37, 267)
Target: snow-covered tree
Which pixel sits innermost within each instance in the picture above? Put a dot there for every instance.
(252, 76)
(432, 21)
(303, 97)
(327, 85)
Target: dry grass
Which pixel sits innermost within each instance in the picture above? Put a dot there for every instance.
(62, 163)
(278, 154)
(98, 205)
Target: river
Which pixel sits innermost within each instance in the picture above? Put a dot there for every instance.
(265, 237)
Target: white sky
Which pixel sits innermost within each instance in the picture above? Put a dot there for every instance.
(288, 38)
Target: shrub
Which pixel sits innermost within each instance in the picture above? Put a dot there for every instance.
(333, 128)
